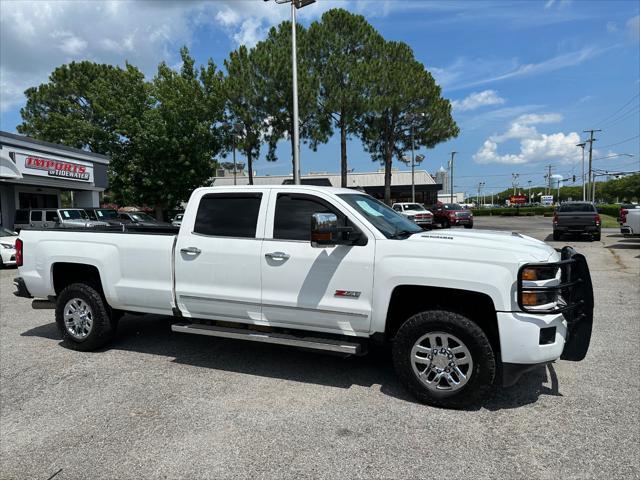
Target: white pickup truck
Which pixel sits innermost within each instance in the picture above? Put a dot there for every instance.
(630, 221)
(328, 269)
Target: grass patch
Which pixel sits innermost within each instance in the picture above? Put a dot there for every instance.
(608, 221)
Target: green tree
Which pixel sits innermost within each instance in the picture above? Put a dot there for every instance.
(402, 93)
(272, 61)
(341, 51)
(172, 152)
(243, 101)
(86, 105)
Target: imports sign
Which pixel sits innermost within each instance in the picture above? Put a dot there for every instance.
(34, 165)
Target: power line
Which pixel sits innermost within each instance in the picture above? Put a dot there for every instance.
(620, 142)
(619, 119)
(622, 107)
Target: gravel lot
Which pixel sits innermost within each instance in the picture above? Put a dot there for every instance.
(162, 405)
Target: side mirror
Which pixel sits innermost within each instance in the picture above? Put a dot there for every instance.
(324, 229)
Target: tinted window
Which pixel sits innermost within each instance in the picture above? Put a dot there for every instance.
(229, 215)
(452, 206)
(36, 216)
(51, 216)
(293, 217)
(22, 216)
(577, 207)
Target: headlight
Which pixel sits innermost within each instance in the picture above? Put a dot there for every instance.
(7, 245)
(539, 273)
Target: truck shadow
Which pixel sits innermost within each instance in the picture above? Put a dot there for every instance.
(151, 334)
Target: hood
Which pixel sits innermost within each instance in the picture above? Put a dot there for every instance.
(520, 247)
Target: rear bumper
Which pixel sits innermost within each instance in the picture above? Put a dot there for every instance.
(21, 288)
(576, 229)
(627, 230)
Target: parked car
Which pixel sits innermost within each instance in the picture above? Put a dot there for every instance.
(140, 218)
(109, 215)
(327, 269)
(416, 213)
(50, 217)
(7, 247)
(630, 221)
(452, 214)
(177, 220)
(576, 218)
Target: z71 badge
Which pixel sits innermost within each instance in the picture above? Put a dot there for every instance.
(347, 293)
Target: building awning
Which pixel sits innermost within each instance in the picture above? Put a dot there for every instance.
(8, 169)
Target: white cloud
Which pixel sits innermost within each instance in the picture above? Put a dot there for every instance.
(465, 73)
(534, 146)
(37, 36)
(477, 100)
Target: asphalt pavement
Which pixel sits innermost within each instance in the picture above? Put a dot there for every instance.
(157, 404)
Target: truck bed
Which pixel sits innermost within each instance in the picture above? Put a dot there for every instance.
(135, 263)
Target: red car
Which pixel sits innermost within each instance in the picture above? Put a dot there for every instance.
(452, 214)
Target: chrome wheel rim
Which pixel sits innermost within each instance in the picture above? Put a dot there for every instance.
(441, 361)
(78, 318)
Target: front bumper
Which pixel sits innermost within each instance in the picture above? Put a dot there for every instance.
(462, 221)
(525, 338)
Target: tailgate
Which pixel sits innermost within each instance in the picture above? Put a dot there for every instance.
(576, 219)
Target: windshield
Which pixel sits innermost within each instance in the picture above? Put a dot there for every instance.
(142, 217)
(577, 207)
(452, 206)
(4, 232)
(413, 206)
(106, 213)
(74, 215)
(390, 223)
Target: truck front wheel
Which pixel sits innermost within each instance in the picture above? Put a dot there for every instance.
(83, 318)
(444, 359)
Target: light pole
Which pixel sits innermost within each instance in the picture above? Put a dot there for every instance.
(584, 187)
(236, 128)
(451, 174)
(414, 160)
(529, 182)
(295, 4)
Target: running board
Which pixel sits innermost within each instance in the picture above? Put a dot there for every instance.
(316, 343)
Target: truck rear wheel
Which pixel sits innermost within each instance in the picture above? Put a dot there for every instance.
(444, 359)
(83, 318)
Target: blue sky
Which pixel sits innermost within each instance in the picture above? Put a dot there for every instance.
(525, 77)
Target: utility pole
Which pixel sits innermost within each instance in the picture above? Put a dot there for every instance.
(548, 179)
(451, 174)
(514, 181)
(296, 122)
(413, 169)
(591, 179)
(529, 182)
(584, 192)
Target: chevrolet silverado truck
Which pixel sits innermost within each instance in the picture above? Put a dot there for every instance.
(327, 269)
(630, 221)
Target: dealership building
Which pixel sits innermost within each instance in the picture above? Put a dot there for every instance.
(33, 174)
(372, 183)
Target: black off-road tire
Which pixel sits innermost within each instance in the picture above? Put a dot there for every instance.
(484, 361)
(597, 236)
(469, 226)
(103, 328)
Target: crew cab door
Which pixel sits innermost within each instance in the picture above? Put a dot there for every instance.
(325, 289)
(217, 257)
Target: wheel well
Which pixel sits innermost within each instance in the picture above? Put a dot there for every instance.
(407, 300)
(65, 274)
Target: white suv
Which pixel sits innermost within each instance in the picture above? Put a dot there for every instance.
(416, 213)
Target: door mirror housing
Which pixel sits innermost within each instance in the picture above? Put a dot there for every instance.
(325, 232)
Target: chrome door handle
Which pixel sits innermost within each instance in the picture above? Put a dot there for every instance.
(277, 255)
(191, 251)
